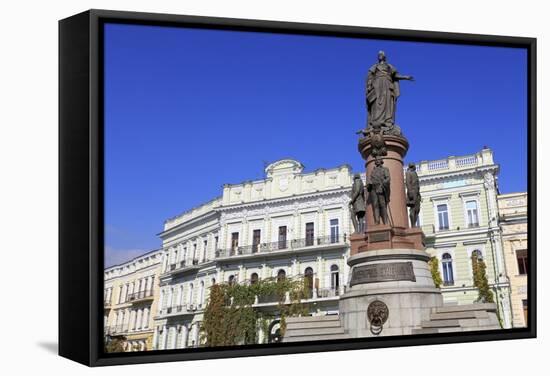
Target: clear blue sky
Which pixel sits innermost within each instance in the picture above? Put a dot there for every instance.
(187, 110)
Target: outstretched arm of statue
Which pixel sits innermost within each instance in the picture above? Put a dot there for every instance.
(400, 77)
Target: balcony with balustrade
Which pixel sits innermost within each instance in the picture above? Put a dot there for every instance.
(281, 246)
(183, 267)
(140, 296)
(453, 164)
(116, 330)
(181, 310)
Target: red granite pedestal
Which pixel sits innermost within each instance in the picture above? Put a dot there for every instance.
(388, 263)
(397, 233)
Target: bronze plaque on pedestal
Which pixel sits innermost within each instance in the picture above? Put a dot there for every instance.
(392, 271)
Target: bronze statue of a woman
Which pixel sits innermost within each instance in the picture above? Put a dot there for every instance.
(382, 93)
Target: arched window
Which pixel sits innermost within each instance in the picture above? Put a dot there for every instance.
(181, 300)
(190, 301)
(253, 278)
(201, 294)
(447, 265)
(231, 280)
(334, 279)
(281, 275)
(477, 254)
(308, 282)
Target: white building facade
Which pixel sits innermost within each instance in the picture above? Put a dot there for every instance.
(297, 224)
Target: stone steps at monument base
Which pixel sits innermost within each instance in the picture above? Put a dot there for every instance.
(313, 324)
(440, 324)
(459, 315)
(466, 307)
(436, 330)
(460, 318)
(326, 337)
(290, 320)
(463, 323)
(314, 328)
(454, 329)
(316, 331)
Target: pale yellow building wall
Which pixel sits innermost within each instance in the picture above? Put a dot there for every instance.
(513, 221)
(116, 279)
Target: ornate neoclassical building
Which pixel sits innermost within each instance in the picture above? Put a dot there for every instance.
(459, 217)
(130, 298)
(289, 224)
(513, 222)
(294, 223)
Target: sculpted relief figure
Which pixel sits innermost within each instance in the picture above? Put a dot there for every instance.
(378, 186)
(357, 204)
(413, 193)
(382, 93)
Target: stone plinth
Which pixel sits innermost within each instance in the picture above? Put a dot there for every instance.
(391, 289)
(401, 279)
(386, 237)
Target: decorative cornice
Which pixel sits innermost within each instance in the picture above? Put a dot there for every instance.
(445, 245)
(275, 201)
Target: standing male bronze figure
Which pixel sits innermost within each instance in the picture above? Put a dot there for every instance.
(379, 187)
(413, 193)
(382, 93)
(357, 204)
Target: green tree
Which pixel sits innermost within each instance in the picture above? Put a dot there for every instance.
(434, 269)
(479, 272)
(114, 345)
(230, 318)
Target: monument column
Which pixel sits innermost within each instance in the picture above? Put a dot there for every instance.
(391, 289)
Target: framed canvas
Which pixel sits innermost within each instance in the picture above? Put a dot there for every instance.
(236, 188)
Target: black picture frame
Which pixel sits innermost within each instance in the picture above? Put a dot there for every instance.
(81, 186)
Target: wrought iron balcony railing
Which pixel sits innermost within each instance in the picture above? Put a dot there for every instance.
(183, 309)
(183, 265)
(281, 245)
(116, 329)
(328, 292)
(139, 295)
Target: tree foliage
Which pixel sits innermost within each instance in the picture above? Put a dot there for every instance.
(479, 271)
(114, 345)
(231, 319)
(434, 269)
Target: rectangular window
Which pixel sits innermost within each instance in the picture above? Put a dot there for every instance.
(204, 249)
(256, 237)
(448, 278)
(443, 217)
(234, 242)
(334, 231)
(282, 237)
(309, 233)
(472, 214)
(523, 266)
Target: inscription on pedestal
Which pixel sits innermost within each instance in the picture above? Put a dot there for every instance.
(379, 237)
(395, 271)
